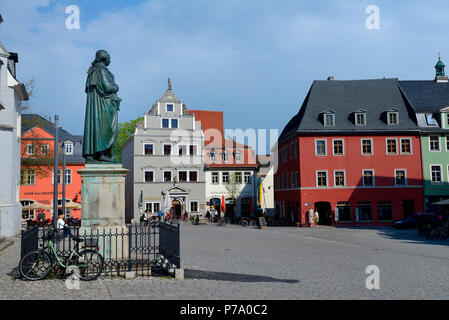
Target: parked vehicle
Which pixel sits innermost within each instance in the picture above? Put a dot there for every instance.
(427, 219)
(406, 223)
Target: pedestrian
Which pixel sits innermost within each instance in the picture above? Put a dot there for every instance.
(159, 215)
(208, 215)
(63, 227)
(317, 218)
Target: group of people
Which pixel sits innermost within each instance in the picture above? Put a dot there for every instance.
(214, 216)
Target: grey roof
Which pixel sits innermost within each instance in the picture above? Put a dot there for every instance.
(31, 120)
(426, 96)
(344, 98)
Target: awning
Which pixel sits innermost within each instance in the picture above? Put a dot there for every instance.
(441, 202)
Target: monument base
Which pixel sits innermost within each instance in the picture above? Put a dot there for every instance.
(103, 195)
(112, 241)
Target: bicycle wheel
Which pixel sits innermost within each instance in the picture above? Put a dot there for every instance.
(90, 264)
(35, 265)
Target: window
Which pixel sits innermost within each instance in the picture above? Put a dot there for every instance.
(392, 147)
(192, 150)
(193, 176)
(152, 207)
(182, 175)
(174, 123)
(364, 209)
(400, 178)
(447, 142)
(297, 179)
(406, 146)
(320, 147)
(225, 177)
(368, 178)
(430, 120)
(360, 119)
(321, 178)
(292, 180)
(30, 177)
(215, 177)
(194, 206)
(339, 178)
(30, 149)
(385, 210)
(45, 149)
(393, 118)
(165, 123)
(338, 147)
(149, 176)
(167, 176)
(225, 156)
(344, 211)
(247, 177)
(367, 148)
(167, 149)
(435, 171)
(238, 177)
(329, 120)
(238, 156)
(434, 143)
(68, 176)
(295, 150)
(212, 156)
(170, 108)
(182, 150)
(68, 148)
(148, 149)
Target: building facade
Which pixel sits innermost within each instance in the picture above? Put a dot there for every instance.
(37, 160)
(352, 151)
(266, 193)
(430, 101)
(12, 93)
(165, 161)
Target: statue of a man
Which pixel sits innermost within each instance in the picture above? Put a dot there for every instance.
(102, 106)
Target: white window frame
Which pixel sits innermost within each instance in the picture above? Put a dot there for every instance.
(405, 177)
(186, 148)
(213, 174)
(171, 149)
(226, 153)
(196, 147)
(66, 146)
(239, 158)
(152, 205)
(374, 178)
(31, 145)
(388, 118)
(325, 147)
(197, 175)
(27, 175)
(223, 175)
(154, 176)
(439, 143)
(166, 107)
(364, 119)
(197, 205)
(361, 147)
(447, 141)
(344, 178)
(143, 148)
(411, 146)
(327, 178)
(171, 123)
(343, 145)
(441, 173)
(238, 173)
(245, 175)
(46, 147)
(386, 147)
(163, 175)
(332, 116)
(214, 158)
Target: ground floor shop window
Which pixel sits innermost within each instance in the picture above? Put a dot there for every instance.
(344, 211)
(364, 210)
(385, 210)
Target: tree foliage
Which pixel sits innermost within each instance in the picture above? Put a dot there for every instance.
(126, 130)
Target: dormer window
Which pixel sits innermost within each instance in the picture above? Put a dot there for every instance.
(169, 107)
(68, 148)
(430, 119)
(392, 117)
(329, 119)
(360, 118)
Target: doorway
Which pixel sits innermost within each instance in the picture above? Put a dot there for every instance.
(409, 207)
(177, 207)
(324, 213)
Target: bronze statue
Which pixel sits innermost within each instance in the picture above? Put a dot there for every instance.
(102, 106)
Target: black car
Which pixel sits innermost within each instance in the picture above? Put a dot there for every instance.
(418, 220)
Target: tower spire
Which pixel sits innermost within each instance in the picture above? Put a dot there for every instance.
(439, 71)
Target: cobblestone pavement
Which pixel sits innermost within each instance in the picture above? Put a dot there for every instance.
(234, 262)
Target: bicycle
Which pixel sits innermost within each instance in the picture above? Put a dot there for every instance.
(37, 264)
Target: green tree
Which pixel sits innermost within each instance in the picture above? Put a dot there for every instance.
(126, 130)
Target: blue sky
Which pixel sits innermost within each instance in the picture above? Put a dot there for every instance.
(253, 59)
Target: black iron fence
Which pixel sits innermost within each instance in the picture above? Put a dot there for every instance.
(146, 249)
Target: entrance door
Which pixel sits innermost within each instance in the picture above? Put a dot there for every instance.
(177, 208)
(324, 213)
(409, 207)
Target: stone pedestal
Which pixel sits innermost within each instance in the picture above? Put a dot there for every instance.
(103, 195)
(103, 208)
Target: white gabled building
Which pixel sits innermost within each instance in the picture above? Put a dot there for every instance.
(12, 93)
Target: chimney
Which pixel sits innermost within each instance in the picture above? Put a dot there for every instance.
(330, 78)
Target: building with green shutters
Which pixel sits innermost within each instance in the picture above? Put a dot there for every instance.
(430, 101)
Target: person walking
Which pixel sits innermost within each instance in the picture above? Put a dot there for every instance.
(317, 218)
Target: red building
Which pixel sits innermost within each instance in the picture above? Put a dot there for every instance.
(37, 167)
(352, 149)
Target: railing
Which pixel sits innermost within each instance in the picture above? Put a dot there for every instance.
(146, 249)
